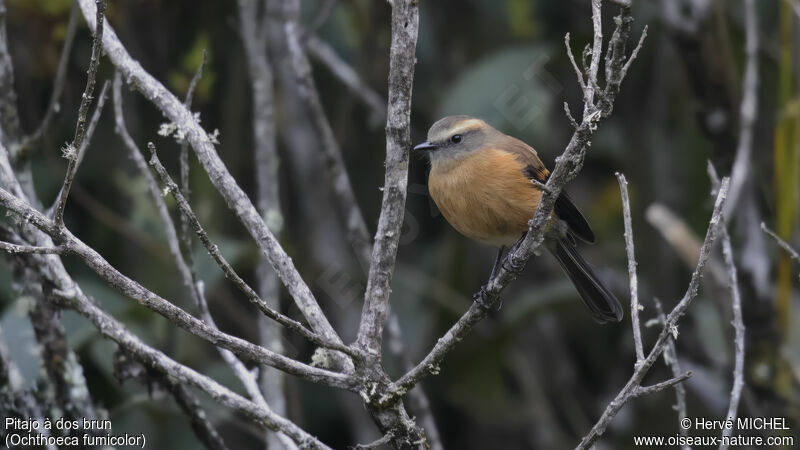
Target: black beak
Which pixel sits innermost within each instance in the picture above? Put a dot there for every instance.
(425, 146)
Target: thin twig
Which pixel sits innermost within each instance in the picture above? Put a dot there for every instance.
(231, 274)
(670, 328)
(578, 71)
(235, 197)
(267, 162)
(152, 186)
(336, 171)
(635, 52)
(167, 309)
(671, 360)
(191, 407)
(738, 321)
(739, 332)
(116, 331)
(98, 111)
(570, 117)
(183, 232)
(71, 151)
(383, 440)
(325, 54)
(747, 110)
(30, 141)
(645, 390)
(633, 279)
(17, 248)
(783, 244)
(185, 267)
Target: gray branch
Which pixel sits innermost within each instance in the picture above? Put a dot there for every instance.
(114, 330)
(747, 110)
(202, 427)
(671, 360)
(176, 315)
(670, 327)
(71, 153)
(344, 196)
(402, 59)
(634, 282)
(781, 243)
(325, 54)
(223, 181)
(29, 142)
(213, 250)
(738, 327)
(267, 163)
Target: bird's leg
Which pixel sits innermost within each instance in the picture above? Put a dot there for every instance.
(509, 264)
(480, 297)
(497, 261)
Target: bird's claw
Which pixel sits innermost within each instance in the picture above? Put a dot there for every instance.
(482, 299)
(513, 266)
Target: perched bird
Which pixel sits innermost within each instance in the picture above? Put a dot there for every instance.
(481, 178)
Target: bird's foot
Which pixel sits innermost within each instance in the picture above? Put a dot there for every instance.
(482, 299)
(514, 266)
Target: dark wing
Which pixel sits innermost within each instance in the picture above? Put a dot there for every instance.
(535, 169)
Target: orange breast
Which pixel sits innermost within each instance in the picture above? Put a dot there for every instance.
(485, 195)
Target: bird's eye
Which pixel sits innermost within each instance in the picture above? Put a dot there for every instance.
(455, 139)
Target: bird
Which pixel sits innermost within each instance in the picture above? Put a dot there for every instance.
(482, 182)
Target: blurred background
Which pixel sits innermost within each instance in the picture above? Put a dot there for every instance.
(537, 373)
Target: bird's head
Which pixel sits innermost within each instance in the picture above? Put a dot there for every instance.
(455, 137)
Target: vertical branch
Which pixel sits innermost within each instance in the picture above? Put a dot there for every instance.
(30, 141)
(634, 282)
(72, 150)
(9, 116)
(738, 327)
(671, 360)
(405, 23)
(597, 51)
(265, 154)
(747, 109)
(344, 196)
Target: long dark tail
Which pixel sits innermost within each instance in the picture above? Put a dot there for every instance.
(600, 301)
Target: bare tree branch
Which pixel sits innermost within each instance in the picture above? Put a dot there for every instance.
(738, 327)
(16, 248)
(783, 244)
(71, 152)
(336, 170)
(233, 194)
(738, 321)
(213, 250)
(671, 360)
(158, 304)
(325, 54)
(115, 331)
(645, 390)
(402, 58)
(634, 282)
(29, 142)
(670, 326)
(747, 109)
(191, 407)
(267, 163)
